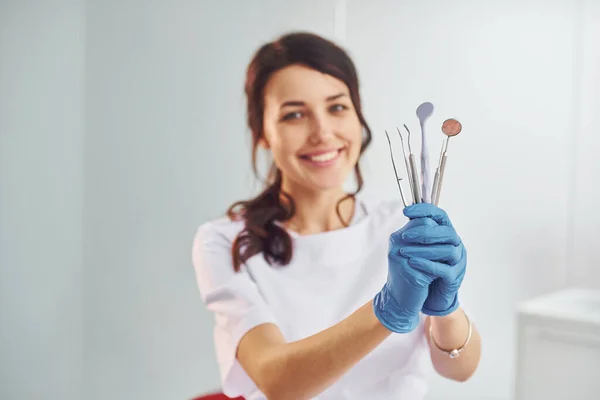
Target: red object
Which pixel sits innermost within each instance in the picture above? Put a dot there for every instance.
(216, 396)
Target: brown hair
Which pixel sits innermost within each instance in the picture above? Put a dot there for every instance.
(261, 232)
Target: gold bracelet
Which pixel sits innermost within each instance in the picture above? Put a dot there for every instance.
(454, 352)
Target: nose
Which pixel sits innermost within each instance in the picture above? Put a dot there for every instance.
(321, 129)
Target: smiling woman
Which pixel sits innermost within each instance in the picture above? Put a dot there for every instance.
(304, 106)
(315, 140)
(317, 293)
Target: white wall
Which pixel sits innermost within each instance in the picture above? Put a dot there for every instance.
(583, 263)
(41, 142)
(164, 124)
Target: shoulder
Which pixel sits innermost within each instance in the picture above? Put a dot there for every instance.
(216, 236)
(218, 231)
(211, 252)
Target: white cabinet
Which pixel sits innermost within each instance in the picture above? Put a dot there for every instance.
(558, 348)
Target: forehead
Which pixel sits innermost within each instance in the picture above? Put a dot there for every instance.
(297, 82)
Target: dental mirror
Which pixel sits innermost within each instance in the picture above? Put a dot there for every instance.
(451, 127)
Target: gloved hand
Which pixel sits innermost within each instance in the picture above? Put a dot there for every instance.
(426, 265)
(435, 249)
(401, 299)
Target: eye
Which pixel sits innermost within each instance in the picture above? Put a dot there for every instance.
(338, 108)
(292, 115)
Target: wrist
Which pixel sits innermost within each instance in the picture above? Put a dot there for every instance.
(392, 316)
(452, 331)
(446, 320)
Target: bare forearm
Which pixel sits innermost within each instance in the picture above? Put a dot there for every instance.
(305, 368)
(450, 332)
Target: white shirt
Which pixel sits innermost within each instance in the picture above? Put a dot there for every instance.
(331, 275)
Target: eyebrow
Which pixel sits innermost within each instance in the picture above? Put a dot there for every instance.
(297, 103)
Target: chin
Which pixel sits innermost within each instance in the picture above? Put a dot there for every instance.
(327, 187)
(327, 183)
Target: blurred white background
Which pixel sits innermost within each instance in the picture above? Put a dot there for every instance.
(120, 121)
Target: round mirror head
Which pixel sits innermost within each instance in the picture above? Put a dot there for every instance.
(451, 127)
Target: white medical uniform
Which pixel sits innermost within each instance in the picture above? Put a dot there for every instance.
(331, 275)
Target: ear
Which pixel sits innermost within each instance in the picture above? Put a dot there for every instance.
(262, 142)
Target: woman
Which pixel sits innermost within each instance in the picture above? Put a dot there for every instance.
(317, 293)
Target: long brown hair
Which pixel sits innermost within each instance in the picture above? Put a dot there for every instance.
(261, 214)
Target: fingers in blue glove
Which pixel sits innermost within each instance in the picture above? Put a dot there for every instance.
(426, 234)
(448, 273)
(444, 253)
(427, 210)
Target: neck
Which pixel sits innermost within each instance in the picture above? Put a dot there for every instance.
(316, 212)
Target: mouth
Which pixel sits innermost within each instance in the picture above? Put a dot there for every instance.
(323, 158)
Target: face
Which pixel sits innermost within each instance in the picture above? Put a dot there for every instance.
(311, 128)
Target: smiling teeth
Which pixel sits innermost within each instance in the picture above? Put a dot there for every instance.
(324, 157)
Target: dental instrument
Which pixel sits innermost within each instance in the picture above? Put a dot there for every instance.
(451, 127)
(416, 186)
(421, 190)
(407, 164)
(398, 179)
(424, 111)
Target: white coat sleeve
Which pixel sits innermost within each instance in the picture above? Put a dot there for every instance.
(234, 300)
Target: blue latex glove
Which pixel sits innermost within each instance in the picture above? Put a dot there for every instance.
(435, 249)
(401, 299)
